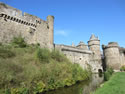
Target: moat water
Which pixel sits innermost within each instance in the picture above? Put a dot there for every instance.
(85, 87)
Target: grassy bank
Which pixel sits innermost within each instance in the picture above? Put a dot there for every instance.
(116, 85)
(26, 69)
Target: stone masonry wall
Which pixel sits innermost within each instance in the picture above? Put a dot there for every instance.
(76, 55)
(122, 58)
(112, 55)
(80, 56)
(33, 29)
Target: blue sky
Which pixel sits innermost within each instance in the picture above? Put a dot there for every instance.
(76, 20)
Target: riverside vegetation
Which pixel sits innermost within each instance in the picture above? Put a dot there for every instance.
(29, 69)
(108, 73)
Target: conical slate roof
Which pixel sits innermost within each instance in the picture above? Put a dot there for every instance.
(93, 37)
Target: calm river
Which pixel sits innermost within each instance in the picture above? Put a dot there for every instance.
(84, 87)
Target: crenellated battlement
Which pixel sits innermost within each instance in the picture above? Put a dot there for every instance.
(35, 30)
(13, 14)
(18, 20)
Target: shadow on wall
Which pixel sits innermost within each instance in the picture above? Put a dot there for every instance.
(5, 16)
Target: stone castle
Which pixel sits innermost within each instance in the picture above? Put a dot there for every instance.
(14, 22)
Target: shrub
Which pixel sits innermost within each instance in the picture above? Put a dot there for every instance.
(39, 87)
(0, 44)
(51, 83)
(122, 68)
(6, 53)
(69, 81)
(108, 74)
(110, 70)
(25, 75)
(19, 42)
(43, 55)
(37, 45)
(17, 91)
(78, 73)
(56, 55)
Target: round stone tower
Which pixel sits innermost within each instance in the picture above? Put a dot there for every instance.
(50, 20)
(95, 58)
(94, 46)
(112, 55)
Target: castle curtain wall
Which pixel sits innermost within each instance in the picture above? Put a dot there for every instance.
(33, 29)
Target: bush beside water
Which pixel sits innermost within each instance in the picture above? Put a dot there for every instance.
(108, 74)
(26, 69)
(122, 68)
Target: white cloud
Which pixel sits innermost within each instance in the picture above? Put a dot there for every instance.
(61, 33)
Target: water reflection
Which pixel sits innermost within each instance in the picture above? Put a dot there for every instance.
(84, 87)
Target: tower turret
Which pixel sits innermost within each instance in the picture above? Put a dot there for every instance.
(94, 46)
(50, 20)
(112, 55)
(95, 59)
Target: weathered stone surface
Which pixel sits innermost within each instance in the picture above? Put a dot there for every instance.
(82, 45)
(82, 55)
(33, 29)
(114, 55)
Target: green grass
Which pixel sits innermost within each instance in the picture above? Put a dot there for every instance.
(116, 85)
(31, 69)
